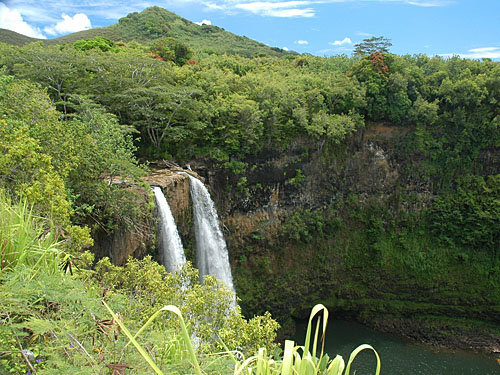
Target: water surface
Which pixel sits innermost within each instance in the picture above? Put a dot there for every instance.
(397, 355)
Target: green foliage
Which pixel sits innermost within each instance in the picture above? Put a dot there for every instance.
(306, 225)
(226, 106)
(64, 168)
(298, 179)
(61, 319)
(99, 42)
(28, 173)
(170, 49)
(470, 217)
(208, 306)
(371, 45)
(334, 128)
(24, 240)
(290, 363)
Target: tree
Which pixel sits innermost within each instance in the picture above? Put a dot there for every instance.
(157, 110)
(99, 42)
(170, 49)
(373, 44)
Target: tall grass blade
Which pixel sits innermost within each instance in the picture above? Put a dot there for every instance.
(286, 367)
(25, 241)
(186, 336)
(356, 352)
(315, 310)
(240, 369)
(139, 348)
(337, 366)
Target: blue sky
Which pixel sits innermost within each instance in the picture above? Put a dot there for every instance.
(469, 28)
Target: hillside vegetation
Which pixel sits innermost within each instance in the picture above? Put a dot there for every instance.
(154, 23)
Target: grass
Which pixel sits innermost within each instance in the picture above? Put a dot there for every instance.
(25, 240)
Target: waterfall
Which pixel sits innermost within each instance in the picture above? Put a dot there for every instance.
(211, 250)
(171, 251)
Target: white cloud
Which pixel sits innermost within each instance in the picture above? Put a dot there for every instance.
(204, 22)
(484, 49)
(335, 51)
(31, 12)
(78, 22)
(429, 3)
(289, 13)
(478, 53)
(13, 20)
(278, 9)
(285, 49)
(346, 40)
(303, 42)
(300, 8)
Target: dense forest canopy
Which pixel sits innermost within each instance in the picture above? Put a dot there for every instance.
(121, 97)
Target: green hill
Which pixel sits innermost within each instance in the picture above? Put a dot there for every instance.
(156, 22)
(16, 39)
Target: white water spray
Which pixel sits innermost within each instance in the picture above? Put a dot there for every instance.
(211, 250)
(171, 250)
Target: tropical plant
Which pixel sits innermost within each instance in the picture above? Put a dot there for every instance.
(292, 361)
(301, 360)
(26, 239)
(371, 45)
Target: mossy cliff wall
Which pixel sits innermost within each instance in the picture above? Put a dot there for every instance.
(347, 225)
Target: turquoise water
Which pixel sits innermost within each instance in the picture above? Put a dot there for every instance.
(399, 356)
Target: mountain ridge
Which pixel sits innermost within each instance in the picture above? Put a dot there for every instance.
(154, 23)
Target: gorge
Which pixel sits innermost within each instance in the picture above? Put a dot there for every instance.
(281, 244)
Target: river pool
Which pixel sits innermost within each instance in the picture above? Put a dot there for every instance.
(397, 355)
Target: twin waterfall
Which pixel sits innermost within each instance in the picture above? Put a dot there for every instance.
(211, 251)
(171, 250)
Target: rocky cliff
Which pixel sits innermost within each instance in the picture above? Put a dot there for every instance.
(139, 239)
(343, 225)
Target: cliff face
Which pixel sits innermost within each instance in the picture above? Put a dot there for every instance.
(175, 187)
(133, 240)
(342, 226)
(287, 225)
(139, 239)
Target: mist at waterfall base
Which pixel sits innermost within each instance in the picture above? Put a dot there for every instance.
(397, 355)
(170, 244)
(212, 257)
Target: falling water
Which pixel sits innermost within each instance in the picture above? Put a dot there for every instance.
(211, 249)
(172, 253)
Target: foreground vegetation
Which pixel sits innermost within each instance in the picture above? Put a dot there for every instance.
(58, 317)
(51, 307)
